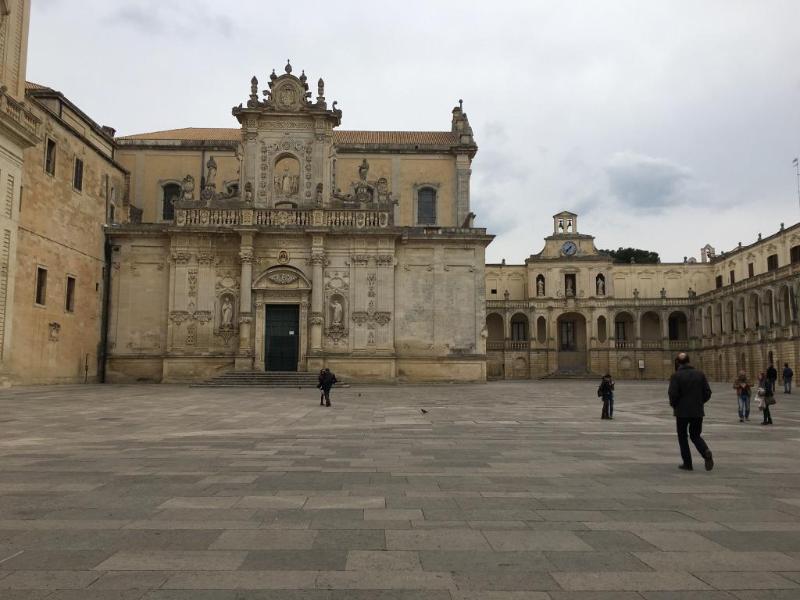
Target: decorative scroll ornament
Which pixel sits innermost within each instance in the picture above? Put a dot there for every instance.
(282, 278)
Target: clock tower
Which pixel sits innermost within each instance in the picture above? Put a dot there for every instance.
(566, 242)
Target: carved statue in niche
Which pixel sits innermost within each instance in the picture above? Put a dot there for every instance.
(601, 286)
(187, 189)
(211, 165)
(287, 177)
(570, 291)
(248, 192)
(318, 195)
(540, 286)
(336, 312)
(363, 170)
(227, 312)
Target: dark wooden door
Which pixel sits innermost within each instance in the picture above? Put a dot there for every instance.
(282, 337)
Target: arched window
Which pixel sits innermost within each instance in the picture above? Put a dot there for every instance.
(172, 191)
(426, 206)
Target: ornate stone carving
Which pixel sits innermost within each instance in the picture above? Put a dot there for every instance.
(337, 311)
(192, 282)
(336, 333)
(318, 258)
(180, 257)
(283, 257)
(283, 278)
(246, 255)
(360, 317)
(360, 260)
(53, 329)
(191, 335)
(384, 260)
(316, 318)
(178, 316)
(206, 257)
(383, 318)
(187, 189)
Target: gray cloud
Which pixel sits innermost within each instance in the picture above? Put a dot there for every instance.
(709, 118)
(645, 183)
(176, 19)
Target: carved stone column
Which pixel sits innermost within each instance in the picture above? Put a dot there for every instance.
(317, 284)
(244, 358)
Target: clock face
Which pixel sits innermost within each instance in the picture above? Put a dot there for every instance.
(569, 248)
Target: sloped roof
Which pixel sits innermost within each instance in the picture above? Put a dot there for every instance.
(341, 137)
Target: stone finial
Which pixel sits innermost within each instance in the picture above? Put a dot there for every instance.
(781, 226)
(321, 88)
(506, 295)
(254, 89)
(288, 67)
(759, 237)
(273, 76)
(461, 104)
(303, 77)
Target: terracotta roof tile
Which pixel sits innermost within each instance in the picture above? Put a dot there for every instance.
(340, 137)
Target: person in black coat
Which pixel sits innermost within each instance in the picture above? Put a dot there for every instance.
(772, 377)
(688, 393)
(606, 394)
(326, 381)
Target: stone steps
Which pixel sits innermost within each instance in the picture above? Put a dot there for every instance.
(276, 379)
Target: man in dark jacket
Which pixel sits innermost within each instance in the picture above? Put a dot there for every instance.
(688, 392)
(326, 381)
(788, 374)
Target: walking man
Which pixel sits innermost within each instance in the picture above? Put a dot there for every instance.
(688, 392)
(787, 378)
(772, 377)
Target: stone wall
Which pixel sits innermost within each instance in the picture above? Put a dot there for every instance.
(61, 231)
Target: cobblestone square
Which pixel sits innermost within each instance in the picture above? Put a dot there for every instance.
(503, 491)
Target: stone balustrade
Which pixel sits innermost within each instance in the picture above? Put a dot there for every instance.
(26, 122)
(283, 218)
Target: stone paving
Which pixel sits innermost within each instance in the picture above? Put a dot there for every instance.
(504, 491)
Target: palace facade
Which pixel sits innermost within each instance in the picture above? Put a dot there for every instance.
(570, 310)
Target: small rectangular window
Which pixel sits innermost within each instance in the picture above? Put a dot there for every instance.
(426, 206)
(751, 269)
(719, 281)
(41, 286)
(50, 157)
(772, 262)
(70, 300)
(794, 254)
(733, 277)
(77, 176)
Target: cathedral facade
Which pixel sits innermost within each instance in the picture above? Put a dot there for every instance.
(291, 245)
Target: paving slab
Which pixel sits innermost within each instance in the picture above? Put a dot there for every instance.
(503, 491)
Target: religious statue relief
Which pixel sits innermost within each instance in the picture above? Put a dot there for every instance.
(227, 312)
(287, 177)
(211, 165)
(540, 286)
(336, 312)
(601, 286)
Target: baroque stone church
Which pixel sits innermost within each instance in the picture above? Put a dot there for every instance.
(290, 245)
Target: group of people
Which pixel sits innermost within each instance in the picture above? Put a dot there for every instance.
(765, 391)
(689, 391)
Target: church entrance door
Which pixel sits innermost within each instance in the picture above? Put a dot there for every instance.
(572, 343)
(281, 337)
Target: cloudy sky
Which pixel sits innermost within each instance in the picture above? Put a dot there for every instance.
(665, 124)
